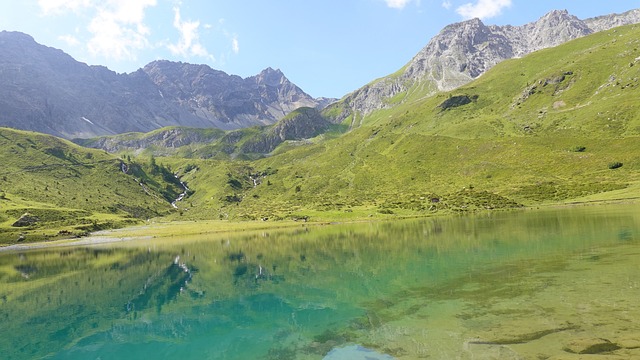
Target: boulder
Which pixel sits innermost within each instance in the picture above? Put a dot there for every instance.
(591, 346)
(26, 220)
(458, 100)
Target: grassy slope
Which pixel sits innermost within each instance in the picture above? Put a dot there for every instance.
(129, 142)
(184, 142)
(513, 145)
(70, 188)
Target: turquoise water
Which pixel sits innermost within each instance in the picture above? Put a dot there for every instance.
(504, 285)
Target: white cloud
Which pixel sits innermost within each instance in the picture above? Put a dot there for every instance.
(235, 46)
(53, 7)
(119, 30)
(483, 9)
(397, 4)
(117, 27)
(447, 4)
(189, 43)
(70, 40)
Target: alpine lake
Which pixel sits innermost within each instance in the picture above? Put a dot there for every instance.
(558, 283)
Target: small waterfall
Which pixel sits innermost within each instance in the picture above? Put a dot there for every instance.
(182, 195)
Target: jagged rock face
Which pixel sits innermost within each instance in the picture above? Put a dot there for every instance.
(553, 29)
(211, 94)
(606, 22)
(458, 54)
(463, 51)
(45, 90)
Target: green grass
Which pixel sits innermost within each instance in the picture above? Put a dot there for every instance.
(71, 189)
(514, 145)
(404, 173)
(242, 144)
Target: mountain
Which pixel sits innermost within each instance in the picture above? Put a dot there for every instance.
(559, 125)
(46, 90)
(213, 95)
(463, 51)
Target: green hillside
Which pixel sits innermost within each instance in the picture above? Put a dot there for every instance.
(70, 190)
(559, 126)
(246, 143)
(553, 127)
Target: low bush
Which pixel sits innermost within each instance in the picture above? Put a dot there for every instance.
(615, 165)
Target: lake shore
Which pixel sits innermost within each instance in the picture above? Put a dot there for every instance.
(165, 230)
(174, 229)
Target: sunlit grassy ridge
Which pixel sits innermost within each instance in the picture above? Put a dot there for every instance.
(243, 144)
(542, 129)
(73, 189)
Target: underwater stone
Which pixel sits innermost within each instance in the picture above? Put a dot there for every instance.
(355, 352)
(591, 346)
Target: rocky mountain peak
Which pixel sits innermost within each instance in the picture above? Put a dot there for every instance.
(15, 36)
(463, 26)
(471, 32)
(601, 23)
(554, 28)
(463, 51)
(556, 14)
(270, 77)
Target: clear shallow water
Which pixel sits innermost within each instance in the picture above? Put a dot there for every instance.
(515, 285)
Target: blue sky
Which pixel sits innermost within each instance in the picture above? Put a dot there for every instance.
(328, 48)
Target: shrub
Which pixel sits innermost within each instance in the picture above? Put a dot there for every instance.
(235, 184)
(578, 148)
(190, 167)
(615, 165)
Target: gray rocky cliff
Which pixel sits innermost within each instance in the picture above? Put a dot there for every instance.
(606, 22)
(45, 90)
(463, 51)
(231, 100)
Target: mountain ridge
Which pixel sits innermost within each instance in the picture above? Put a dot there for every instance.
(300, 124)
(48, 91)
(463, 51)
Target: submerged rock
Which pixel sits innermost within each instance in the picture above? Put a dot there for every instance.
(629, 341)
(591, 346)
(355, 352)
